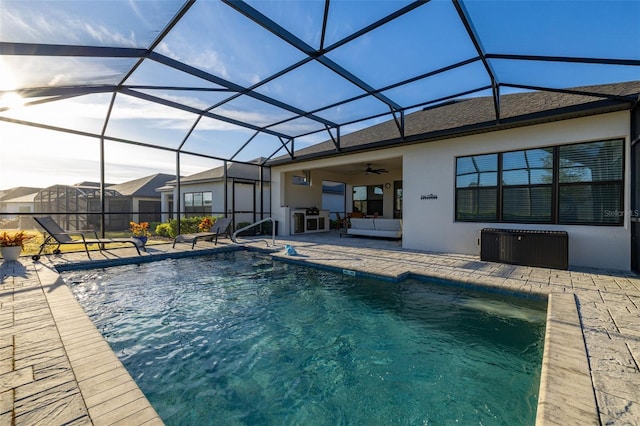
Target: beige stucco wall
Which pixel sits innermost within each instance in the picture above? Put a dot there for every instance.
(430, 169)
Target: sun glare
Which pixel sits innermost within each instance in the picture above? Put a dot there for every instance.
(8, 80)
(11, 100)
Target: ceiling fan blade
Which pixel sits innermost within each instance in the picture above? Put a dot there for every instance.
(369, 170)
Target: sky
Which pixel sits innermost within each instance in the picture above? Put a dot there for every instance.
(218, 40)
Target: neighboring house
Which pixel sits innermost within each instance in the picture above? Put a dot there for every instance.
(554, 161)
(140, 196)
(77, 207)
(74, 207)
(204, 193)
(15, 201)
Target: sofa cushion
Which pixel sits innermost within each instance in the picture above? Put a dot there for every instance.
(362, 224)
(388, 224)
(374, 233)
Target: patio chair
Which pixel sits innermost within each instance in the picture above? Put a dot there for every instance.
(341, 222)
(57, 235)
(220, 226)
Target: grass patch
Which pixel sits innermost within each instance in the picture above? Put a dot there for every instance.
(32, 246)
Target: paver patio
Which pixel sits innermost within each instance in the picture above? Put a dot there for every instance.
(56, 368)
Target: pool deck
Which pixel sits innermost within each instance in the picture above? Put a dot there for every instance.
(55, 367)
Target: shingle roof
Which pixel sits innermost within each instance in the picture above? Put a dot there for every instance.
(19, 191)
(234, 171)
(476, 115)
(143, 187)
(26, 198)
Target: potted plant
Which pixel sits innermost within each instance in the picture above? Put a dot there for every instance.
(205, 224)
(11, 244)
(140, 231)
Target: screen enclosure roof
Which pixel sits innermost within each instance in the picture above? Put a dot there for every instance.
(239, 80)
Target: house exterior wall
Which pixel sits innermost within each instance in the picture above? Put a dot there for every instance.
(243, 198)
(166, 198)
(17, 208)
(429, 170)
(303, 195)
(243, 203)
(246, 199)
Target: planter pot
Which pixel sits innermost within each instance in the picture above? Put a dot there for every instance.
(11, 253)
(143, 240)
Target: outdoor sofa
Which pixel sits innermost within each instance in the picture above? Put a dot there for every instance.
(376, 227)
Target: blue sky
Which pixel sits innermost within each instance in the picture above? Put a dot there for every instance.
(219, 40)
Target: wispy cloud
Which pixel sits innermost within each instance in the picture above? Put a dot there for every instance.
(62, 23)
(42, 71)
(104, 35)
(207, 59)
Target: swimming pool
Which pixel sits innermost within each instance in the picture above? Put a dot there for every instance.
(237, 338)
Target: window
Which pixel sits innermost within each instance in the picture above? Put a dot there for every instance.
(368, 199)
(302, 180)
(527, 178)
(476, 188)
(570, 184)
(207, 198)
(590, 180)
(197, 199)
(198, 203)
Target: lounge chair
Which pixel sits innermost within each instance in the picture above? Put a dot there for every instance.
(220, 226)
(57, 235)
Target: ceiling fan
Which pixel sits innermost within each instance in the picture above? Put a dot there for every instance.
(370, 170)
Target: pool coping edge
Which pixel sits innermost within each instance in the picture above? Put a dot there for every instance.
(566, 393)
(109, 392)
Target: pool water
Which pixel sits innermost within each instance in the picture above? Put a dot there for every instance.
(237, 339)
